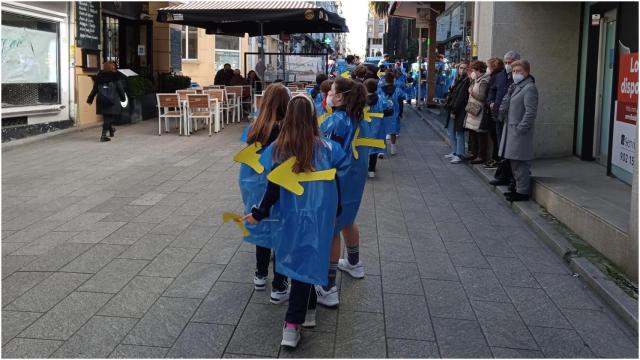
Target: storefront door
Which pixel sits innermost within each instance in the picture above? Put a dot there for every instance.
(606, 62)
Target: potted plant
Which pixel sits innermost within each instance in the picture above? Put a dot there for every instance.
(143, 99)
(169, 83)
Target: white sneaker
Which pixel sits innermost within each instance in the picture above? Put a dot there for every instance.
(290, 337)
(259, 282)
(392, 149)
(327, 298)
(279, 296)
(381, 156)
(449, 156)
(456, 159)
(356, 271)
(388, 137)
(310, 318)
(372, 174)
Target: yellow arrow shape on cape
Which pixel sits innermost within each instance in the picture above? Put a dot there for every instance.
(381, 73)
(284, 176)
(250, 157)
(229, 216)
(345, 74)
(324, 116)
(358, 141)
(369, 115)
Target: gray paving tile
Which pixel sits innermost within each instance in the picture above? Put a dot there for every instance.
(148, 247)
(263, 315)
(313, 345)
(412, 349)
(169, 263)
(32, 232)
(13, 263)
(407, 317)
(48, 293)
(396, 249)
(360, 335)
(401, 278)
(195, 281)
(224, 304)
(460, 339)
(126, 213)
(138, 352)
(482, 284)
(97, 232)
(243, 356)
(46, 243)
(512, 272)
(148, 199)
(66, 317)
(128, 234)
(241, 268)
(194, 237)
(114, 276)
(29, 348)
(536, 308)
(96, 339)
(602, 334)
(434, 265)
(57, 257)
(111, 205)
(493, 246)
(361, 294)
(155, 214)
(201, 341)
(502, 325)
(136, 298)
(94, 259)
(560, 343)
(452, 231)
(162, 324)
(82, 222)
(173, 225)
(20, 282)
(567, 291)
(447, 299)
(256, 341)
(13, 322)
(10, 247)
(539, 260)
(505, 353)
(466, 254)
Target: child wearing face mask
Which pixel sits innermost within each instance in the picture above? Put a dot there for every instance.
(376, 104)
(396, 95)
(323, 110)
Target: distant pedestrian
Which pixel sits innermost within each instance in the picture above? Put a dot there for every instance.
(223, 76)
(475, 121)
(517, 136)
(254, 80)
(260, 68)
(376, 104)
(497, 90)
(237, 79)
(396, 95)
(107, 87)
(315, 92)
(455, 106)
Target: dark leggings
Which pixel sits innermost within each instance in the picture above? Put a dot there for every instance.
(302, 297)
(495, 141)
(263, 256)
(107, 121)
(373, 160)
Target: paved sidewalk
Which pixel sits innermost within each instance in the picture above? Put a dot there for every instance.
(118, 250)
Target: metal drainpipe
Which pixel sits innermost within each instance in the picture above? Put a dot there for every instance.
(476, 26)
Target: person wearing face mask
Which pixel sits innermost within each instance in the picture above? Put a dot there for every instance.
(497, 90)
(517, 136)
(476, 120)
(455, 104)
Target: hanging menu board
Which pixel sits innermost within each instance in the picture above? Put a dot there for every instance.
(176, 50)
(88, 25)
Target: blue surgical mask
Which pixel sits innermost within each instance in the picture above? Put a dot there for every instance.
(517, 78)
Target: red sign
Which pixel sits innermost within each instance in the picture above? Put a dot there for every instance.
(628, 89)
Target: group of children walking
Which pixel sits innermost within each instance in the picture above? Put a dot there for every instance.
(302, 178)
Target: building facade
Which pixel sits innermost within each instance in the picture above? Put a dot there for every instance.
(375, 35)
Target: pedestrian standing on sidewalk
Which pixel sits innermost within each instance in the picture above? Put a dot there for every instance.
(107, 87)
(303, 243)
(376, 104)
(396, 94)
(517, 137)
(347, 98)
(455, 105)
(497, 89)
(253, 182)
(322, 109)
(475, 121)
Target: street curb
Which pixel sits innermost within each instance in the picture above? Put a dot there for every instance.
(36, 138)
(530, 212)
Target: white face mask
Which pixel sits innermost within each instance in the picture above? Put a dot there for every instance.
(473, 75)
(517, 78)
(330, 101)
(507, 67)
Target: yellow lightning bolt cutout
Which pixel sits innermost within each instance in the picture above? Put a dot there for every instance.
(345, 74)
(324, 116)
(380, 73)
(284, 176)
(236, 219)
(369, 115)
(250, 157)
(358, 141)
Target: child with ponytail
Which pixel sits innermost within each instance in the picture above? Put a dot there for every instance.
(376, 104)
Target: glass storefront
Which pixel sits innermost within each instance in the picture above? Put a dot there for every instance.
(30, 61)
(227, 51)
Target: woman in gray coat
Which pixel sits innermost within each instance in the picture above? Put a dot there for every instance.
(516, 144)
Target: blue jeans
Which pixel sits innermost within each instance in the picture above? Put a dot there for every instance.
(456, 138)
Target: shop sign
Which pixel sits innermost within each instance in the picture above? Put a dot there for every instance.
(423, 17)
(626, 114)
(176, 49)
(442, 27)
(88, 25)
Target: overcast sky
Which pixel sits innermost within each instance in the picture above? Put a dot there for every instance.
(355, 12)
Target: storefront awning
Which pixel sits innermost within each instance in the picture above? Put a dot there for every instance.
(255, 18)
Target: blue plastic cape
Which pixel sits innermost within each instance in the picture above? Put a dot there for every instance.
(303, 240)
(392, 122)
(351, 189)
(376, 128)
(245, 133)
(409, 91)
(341, 66)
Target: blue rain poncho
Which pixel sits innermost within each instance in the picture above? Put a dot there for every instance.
(303, 240)
(376, 128)
(392, 122)
(339, 126)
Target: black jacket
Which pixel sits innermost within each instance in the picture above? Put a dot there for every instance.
(457, 101)
(223, 77)
(103, 78)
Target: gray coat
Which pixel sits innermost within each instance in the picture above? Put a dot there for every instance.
(517, 134)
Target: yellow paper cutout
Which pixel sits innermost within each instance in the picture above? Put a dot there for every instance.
(380, 74)
(324, 116)
(346, 74)
(250, 157)
(358, 141)
(227, 216)
(284, 176)
(369, 115)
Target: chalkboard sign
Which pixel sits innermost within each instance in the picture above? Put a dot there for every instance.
(176, 50)
(88, 25)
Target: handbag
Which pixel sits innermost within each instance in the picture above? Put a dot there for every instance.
(473, 108)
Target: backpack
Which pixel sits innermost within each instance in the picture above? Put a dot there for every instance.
(107, 94)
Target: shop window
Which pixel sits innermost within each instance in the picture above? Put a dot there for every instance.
(227, 51)
(377, 41)
(189, 43)
(111, 39)
(30, 61)
(381, 27)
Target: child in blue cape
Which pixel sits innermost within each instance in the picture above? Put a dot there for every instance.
(376, 104)
(347, 98)
(315, 93)
(396, 94)
(253, 181)
(409, 90)
(307, 208)
(322, 109)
